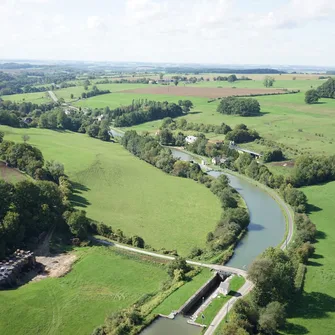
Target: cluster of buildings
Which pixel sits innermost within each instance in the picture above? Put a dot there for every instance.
(13, 268)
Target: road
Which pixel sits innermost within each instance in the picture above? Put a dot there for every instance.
(53, 96)
(171, 258)
(247, 287)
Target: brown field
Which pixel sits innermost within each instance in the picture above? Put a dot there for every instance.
(203, 92)
(10, 175)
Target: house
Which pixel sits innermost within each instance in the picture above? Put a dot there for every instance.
(190, 139)
(218, 160)
(100, 117)
(224, 287)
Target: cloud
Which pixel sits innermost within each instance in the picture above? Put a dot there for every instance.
(140, 11)
(96, 23)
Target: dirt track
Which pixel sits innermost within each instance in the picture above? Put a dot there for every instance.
(204, 92)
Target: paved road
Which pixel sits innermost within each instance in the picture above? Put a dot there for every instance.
(248, 286)
(153, 254)
(53, 96)
(244, 290)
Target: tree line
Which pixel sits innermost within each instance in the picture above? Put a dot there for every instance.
(234, 219)
(31, 208)
(326, 90)
(94, 92)
(239, 106)
(144, 111)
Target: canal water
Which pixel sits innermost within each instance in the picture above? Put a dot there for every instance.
(267, 222)
(267, 228)
(177, 326)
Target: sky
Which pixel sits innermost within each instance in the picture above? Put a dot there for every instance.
(278, 32)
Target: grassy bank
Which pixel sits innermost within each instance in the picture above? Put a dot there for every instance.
(100, 283)
(115, 187)
(314, 313)
(174, 301)
(214, 307)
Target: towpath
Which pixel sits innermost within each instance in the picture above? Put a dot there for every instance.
(53, 96)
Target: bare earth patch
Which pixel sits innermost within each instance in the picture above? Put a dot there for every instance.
(9, 174)
(55, 266)
(204, 92)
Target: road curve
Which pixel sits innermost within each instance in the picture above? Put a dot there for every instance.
(248, 286)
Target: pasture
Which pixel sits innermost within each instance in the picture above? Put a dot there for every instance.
(100, 283)
(117, 188)
(36, 98)
(285, 119)
(316, 308)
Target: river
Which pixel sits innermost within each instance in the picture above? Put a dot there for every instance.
(266, 229)
(267, 222)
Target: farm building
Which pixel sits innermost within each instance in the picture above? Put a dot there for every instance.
(12, 268)
(190, 139)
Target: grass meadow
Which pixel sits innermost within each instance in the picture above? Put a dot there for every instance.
(117, 188)
(36, 98)
(315, 311)
(100, 283)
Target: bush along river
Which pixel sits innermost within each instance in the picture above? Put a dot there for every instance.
(266, 229)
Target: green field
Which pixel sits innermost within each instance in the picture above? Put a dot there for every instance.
(174, 301)
(117, 188)
(286, 119)
(100, 283)
(65, 93)
(36, 98)
(314, 313)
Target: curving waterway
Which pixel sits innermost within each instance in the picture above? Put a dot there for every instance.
(266, 229)
(267, 222)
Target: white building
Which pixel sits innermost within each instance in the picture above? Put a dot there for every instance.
(190, 139)
(224, 287)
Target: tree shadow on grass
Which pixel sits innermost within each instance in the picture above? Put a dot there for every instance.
(320, 235)
(311, 263)
(76, 198)
(316, 256)
(291, 328)
(312, 209)
(314, 305)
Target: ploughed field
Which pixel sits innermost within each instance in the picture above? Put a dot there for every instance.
(205, 92)
(120, 190)
(101, 282)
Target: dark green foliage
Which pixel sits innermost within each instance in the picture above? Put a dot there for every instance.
(268, 81)
(55, 170)
(327, 89)
(242, 135)
(27, 209)
(144, 111)
(239, 106)
(78, 223)
(311, 170)
(94, 92)
(300, 277)
(231, 78)
(22, 156)
(272, 318)
(183, 124)
(275, 155)
(137, 242)
(1, 136)
(178, 264)
(122, 323)
(273, 275)
(306, 229)
(311, 97)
